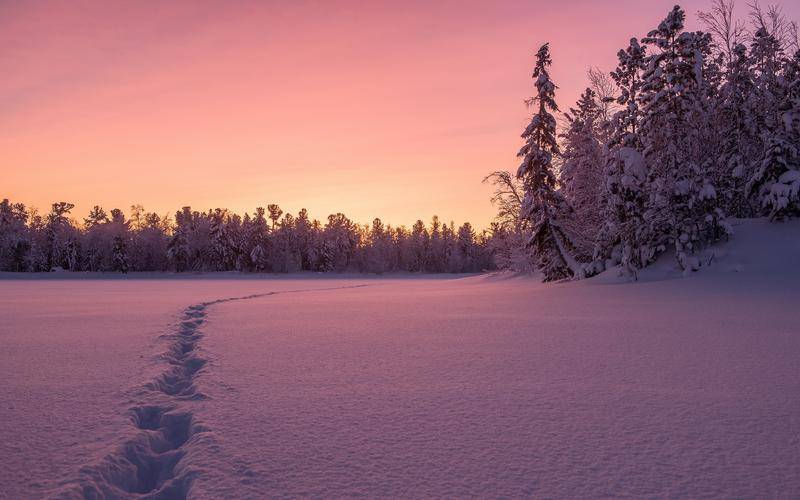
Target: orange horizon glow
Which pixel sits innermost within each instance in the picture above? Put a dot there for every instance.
(394, 110)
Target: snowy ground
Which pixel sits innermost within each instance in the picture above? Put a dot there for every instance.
(480, 386)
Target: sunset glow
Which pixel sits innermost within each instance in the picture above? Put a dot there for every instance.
(399, 249)
(374, 109)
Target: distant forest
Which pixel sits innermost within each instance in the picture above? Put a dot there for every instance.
(217, 240)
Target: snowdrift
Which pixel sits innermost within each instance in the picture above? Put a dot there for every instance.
(758, 247)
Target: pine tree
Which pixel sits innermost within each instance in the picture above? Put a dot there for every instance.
(779, 171)
(222, 243)
(285, 255)
(61, 248)
(14, 236)
(120, 254)
(543, 206)
(738, 129)
(178, 246)
(682, 208)
(96, 217)
(623, 198)
(255, 237)
(118, 232)
(628, 77)
(340, 241)
(306, 234)
(377, 251)
(624, 211)
(418, 247)
(465, 249)
(275, 213)
(148, 250)
(775, 181)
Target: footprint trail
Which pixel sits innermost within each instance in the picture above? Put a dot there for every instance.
(153, 464)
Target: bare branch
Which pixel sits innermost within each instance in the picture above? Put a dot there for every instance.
(726, 30)
(794, 38)
(774, 22)
(507, 197)
(603, 85)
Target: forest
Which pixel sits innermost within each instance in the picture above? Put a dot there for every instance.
(690, 130)
(218, 240)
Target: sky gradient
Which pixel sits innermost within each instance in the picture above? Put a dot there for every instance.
(375, 109)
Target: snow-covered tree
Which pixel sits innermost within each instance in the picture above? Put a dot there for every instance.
(377, 258)
(61, 238)
(625, 174)
(466, 252)
(582, 168)
(285, 255)
(97, 216)
(148, 249)
(339, 242)
(14, 236)
(775, 180)
(628, 77)
(738, 125)
(681, 208)
(120, 254)
(416, 247)
(223, 242)
(543, 206)
(275, 213)
(254, 244)
(178, 246)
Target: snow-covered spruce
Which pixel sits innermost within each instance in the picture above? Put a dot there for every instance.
(544, 206)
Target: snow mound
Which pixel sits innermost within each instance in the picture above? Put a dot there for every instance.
(758, 247)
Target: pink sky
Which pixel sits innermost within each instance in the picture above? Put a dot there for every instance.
(388, 109)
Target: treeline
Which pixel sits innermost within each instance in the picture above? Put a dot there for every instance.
(690, 129)
(218, 240)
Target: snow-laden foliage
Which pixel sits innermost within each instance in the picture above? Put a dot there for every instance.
(681, 208)
(217, 240)
(543, 206)
(706, 126)
(582, 167)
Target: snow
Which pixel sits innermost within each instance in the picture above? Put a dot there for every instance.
(789, 176)
(72, 355)
(760, 253)
(634, 167)
(479, 386)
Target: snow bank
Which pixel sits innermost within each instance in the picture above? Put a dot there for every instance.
(759, 249)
